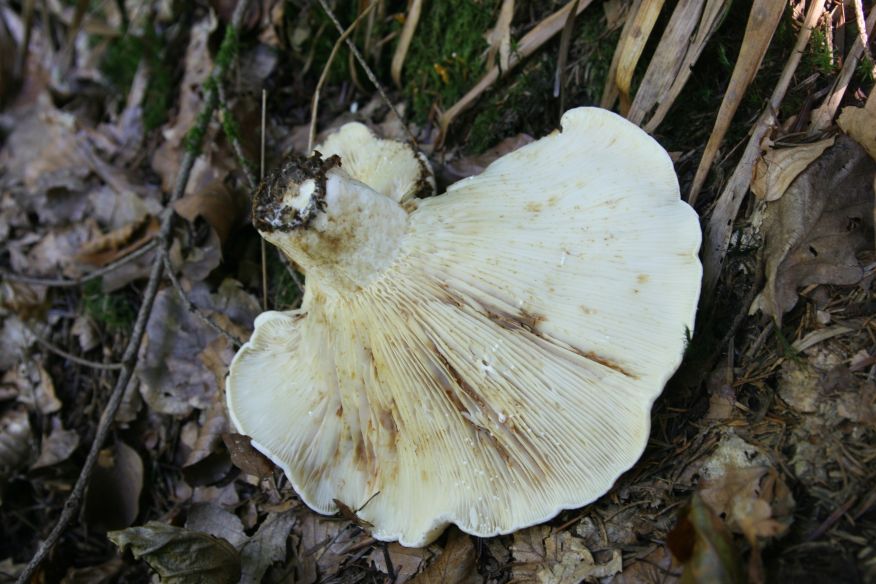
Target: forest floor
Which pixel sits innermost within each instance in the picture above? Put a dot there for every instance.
(130, 146)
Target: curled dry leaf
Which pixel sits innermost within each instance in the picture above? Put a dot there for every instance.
(118, 243)
(702, 542)
(57, 446)
(405, 562)
(207, 463)
(112, 500)
(16, 442)
(456, 563)
(860, 124)
(267, 546)
(35, 386)
(474, 165)
(779, 167)
(813, 233)
(181, 556)
(738, 482)
(245, 457)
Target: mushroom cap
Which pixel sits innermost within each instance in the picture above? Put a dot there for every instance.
(500, 363)
(393, 169)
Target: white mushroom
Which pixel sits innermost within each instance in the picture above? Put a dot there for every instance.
(487, 357)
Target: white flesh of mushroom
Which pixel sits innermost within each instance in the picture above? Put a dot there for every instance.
(487, 357)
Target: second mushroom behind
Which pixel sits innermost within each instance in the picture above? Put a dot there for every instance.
(487, 357)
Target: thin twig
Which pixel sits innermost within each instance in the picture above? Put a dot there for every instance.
(193, 308)
(252, 183)
(129, 358)
(65, 282)
(264, 246)
(314, 101)
(69, 356)
(371, 77)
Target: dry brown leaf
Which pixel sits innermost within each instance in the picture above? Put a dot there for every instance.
(245, 457)
(812, 234)
(57, 446)
(455, 564)
(778, 168)
(213, 519)
(738, 482)
(547, 557)
(720, 225)
(207, 463)
(35, 387)
(43, 153)
(15, 339)
(118, 243)
(762, 23)
(860, 124)
(222, 209)
(104, 573)
(266, 547)
(112, 500)
(406, 562)
(656, 566)
(412, 18)
(16, 443)
(702, 542)
(323, 546)
(474, 165)
(172, 381)
(198, 64)
(55, 252)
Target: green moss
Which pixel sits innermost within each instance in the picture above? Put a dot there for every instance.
(114, 311)
(284, 291)
(232, 132)
(818, 56)
(446, 57)
(120, 63)
(195, 135)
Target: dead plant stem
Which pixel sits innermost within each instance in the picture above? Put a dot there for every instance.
(371, 77)
(64, 282)
(314, 102)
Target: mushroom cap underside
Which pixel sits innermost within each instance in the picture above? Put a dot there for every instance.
(504, 366)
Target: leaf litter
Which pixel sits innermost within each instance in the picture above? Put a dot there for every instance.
(788, 408)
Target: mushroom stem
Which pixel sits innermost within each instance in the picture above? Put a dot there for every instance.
(324, 221)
